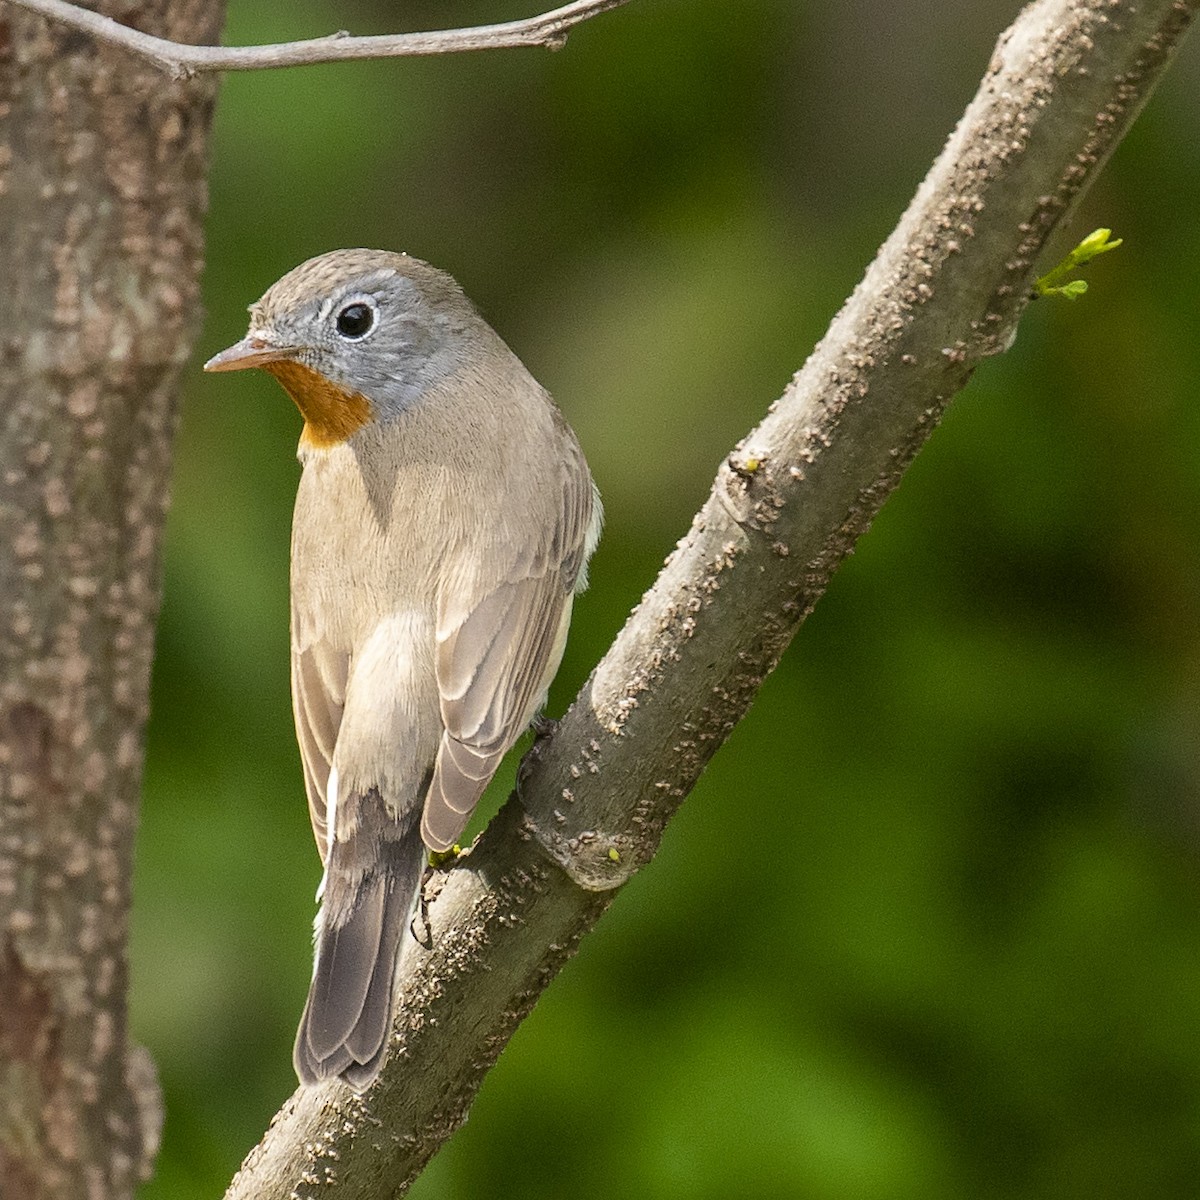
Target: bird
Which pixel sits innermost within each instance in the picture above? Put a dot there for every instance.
(443, 523)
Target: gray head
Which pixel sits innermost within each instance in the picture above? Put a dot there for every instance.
(365, 325)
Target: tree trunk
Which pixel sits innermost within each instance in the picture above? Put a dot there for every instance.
(102, 195)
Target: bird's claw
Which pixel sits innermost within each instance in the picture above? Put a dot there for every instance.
(543, 727)
(439, 861)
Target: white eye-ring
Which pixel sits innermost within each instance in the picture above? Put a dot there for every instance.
(356, 319)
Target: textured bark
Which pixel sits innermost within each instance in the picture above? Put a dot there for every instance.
(102, 196)
(945, 291)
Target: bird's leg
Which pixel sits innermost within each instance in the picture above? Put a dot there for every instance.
(425, 941)
(543, 729)
(438, 861)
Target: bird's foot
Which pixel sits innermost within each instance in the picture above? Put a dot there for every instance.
(439, 861)
(543, 729)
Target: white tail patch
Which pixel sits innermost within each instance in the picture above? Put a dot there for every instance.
(317, 929)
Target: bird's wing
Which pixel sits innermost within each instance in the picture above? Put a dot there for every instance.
(497, 652)
(318, 693)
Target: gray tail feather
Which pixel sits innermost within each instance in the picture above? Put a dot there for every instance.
(347, 1018)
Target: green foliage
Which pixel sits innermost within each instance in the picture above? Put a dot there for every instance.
(930, 924)
(1055, 281)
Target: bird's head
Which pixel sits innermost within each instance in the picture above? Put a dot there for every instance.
(355, 336)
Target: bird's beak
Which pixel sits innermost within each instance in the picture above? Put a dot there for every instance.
(253, 350)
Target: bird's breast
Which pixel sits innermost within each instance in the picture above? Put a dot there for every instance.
(363, 548)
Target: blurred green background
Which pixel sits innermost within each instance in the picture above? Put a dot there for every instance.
(961, 956)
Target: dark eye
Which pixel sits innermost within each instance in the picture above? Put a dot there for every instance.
(355, 320)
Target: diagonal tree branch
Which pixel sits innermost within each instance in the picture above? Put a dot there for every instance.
(945, 291)
(548, 30)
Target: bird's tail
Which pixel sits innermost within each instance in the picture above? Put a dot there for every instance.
(371, 889)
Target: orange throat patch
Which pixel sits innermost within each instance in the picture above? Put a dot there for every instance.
(331, 414)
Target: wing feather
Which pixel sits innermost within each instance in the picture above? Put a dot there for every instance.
(318, 694)
(496, 659)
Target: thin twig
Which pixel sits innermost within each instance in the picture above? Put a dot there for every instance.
(549, 30)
